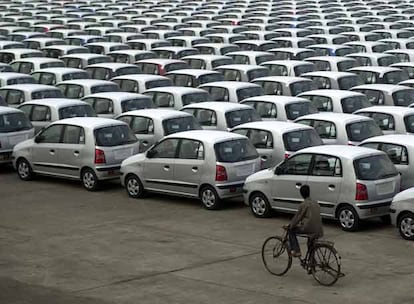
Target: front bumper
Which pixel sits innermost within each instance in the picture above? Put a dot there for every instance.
(229, 190)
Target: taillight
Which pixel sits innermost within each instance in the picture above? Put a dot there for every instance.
(99, 156)
(161, 69)
(361, 192)
(221, 174)
(287, 155)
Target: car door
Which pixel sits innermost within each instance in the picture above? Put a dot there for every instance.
(325, 181)
(189, 166)
(40, 117)
(287, 180)
(71, 152)
(399, 156)
(159, 166)
(44, 151)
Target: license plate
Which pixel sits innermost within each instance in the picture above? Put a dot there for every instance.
(385, 188)
(5, 156)
(122, 154)
(13, 140)
(373, 210)
(245, 170)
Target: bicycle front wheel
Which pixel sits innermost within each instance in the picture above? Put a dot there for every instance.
(326, 264)
(275, 256)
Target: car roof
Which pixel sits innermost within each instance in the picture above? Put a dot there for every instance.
(161, 61)
(157, 113)
(21, 51)
(390, 88)
(12, 75)
(90, 122)
(274, 126)
(206, 56)
(179, 90)
(334, 117)
(401, 111)
(330, 74)
(351, 152)
(220, 106)
(378, 69)
(193, 72)
(83, 55)
(292, 63)
(283, 79)
(60, 70)
(55, 102)
(276, 99)
(334, 59)
(111, 65)
(400, 139)
(231, 84)
(332, 93)
(4, 110)
(86, 82)
(140, 77)
(119, 96)
(29, 87)
(241, 67)
(210, 136)
(38, 60)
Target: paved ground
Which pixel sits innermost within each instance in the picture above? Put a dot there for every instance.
(60, 242)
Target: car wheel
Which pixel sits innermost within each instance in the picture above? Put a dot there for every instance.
(24, 170)
(210, 198)
(89, 179)
(348, 218)
(406, 226)
(133, 186)
(260, 205)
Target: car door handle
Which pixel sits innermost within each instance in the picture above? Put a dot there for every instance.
(264, 158)
(76, 153)
(52, 151)
(331, 187)
(145, 143)
(167, 168)
(298, 185)
(194, 169)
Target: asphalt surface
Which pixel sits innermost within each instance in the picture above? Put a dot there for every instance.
(62, 244)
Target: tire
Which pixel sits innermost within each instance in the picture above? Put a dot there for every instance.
(386, 219)
(259, 205)
(406, 226)
(24, 170)
(325, 264)
(133, 186)
(210, 198)
(275, 256)
(348, 219)
(89, 179)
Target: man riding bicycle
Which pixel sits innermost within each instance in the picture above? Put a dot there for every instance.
(307, 221)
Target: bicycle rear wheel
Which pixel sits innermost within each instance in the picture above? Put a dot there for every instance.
(275, 256)
(325, 264)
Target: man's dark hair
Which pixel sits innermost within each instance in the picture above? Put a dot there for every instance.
(305, 191)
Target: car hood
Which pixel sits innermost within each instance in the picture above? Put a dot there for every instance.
(134, 159)
(404, 195)
(24, 145)
(261, 175)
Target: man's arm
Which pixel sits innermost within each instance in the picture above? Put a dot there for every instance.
(298, 216)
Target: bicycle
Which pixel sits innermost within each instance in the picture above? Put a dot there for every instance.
(321, 259)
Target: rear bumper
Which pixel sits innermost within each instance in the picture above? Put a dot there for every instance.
(374, 209)
(108, 172)
(6, 156)
(230, 190)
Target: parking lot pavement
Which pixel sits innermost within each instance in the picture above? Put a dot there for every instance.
(59, 241)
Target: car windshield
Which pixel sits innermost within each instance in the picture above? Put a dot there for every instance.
(374, 167)
(219, 62)
(256, 73)
(158, 83)
(303, 68)
(395, 77)
(47, 94)
(114, 136)
(297, 109)
(345, 65)
(136, 104)
(249, 92)
(347, 82)
(76, 111)
(105, 88)
(76, 75)
(195, 97)
(300, 87)
(180, 124)
(13, 122)
(403, 98)
(297, 140)
(361, 130)
(210, 78)
(354, 103)
(237, 117)
(409, 123)
(233, 151)
(386, 61)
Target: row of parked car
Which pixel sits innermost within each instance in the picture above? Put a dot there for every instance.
(216, 99)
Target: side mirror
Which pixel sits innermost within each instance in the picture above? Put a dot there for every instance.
(151, 153)
(38, 139)
(278, 170)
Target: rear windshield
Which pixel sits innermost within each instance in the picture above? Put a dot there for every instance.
(361, 130)
(297, 140)
(352, 104)
(409, 123)
(47, 94)
(374, 167)
(105, 88)
(297, 109)
(249, 92)
(237, 117)
(114, 136)
(13, 122)
(195, 97)
(76, 111)
(403, 98)
(136, 104)
(233, 151)
(180, 124)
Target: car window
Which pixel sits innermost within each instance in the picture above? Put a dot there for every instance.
(384, 121)
(345, 65)
(321, 82)
(142, 125)
(263, 109)
(249, 92)
(163, 100)
(180, 124)
(46, 78)
(386, 61)
(219, 62)
(321, 65)
(195, 98)
(300, 87)
(368, 77)
(261, 139)
(73, 62)
(13, 122)
(375, 97)
(114, 136)
(236, 150)
(271, 87)
(76, 111)
(205, 117)
(182, 80)
(14, 97)
(103, 106)
(104, 88)
(127, 85)
(190, 149)
(231, 75)
(297, 109)
(324, 165)
(218, 93)
(27, 109)
(297, 165)
(361, 130)
(136, 104)
(73, 135)
(300, 139)
(409, 123)
(40, 113)
(277, 69)
(398, 154)
(303, 68)
(237, 117)
(322, 103)
(196, 63)
(354, 103)
(99, 73)
(51, 134)
(325, 129)
(403, 98)
(347, 82)
(240, 59)
(74, 91)
(374, 167)
(165, 149)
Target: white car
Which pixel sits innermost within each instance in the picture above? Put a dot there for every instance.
(402, 213)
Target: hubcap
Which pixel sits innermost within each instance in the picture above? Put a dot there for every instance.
(88, 180)
(133, 187)
(258, 205)
(347, 218)
(23, 169)
(208, 198)
(407, 227)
